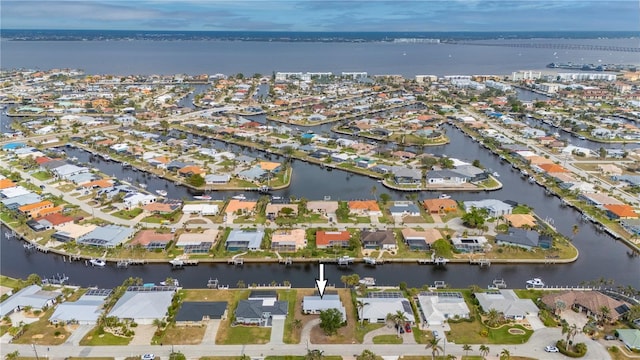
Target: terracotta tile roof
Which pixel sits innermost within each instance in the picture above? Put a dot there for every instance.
(42, 159)
(6, 183)
(52, 210)
(622, 211)
(430, 235)
(102, 183)
(145, 237)
(56, 219)
(370, 205)
(235, 205)
(519, 220)
(268, 166)
(325, 238)
(435, 205)
(191, 169)
(34, 206)
(552, 168)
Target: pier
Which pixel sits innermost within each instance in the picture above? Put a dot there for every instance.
(236, 261)
(481, 262)
(373, 261)
(434, 260)
(286, 261)
(212, 283)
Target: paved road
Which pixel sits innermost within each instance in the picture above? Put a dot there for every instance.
(533, 348)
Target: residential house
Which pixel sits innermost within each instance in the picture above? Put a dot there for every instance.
(108, 236)
(238, 206)
(632, 226)
(151, 240)
(526, 239)
(440, 206)
(590, 302)
(473, 173)
(521, 220)
(469, 244)
(446, 177)
(420, 240)
(197, 243)
(34, 210)
(329, 239)
(260, 309)
(84, 311)
(364, 208)
(217, 179)
(436, 307)
(599, 199)
(143, 305)
(135, 199)
(199, 312)
(617, 212)
(404, 208)
(288, 240)
(507, 303)
(406, 176)
(31, 296)
(243, 240)
(272, 211)
(630, 338)
(201, 209)
(376, 309)
(316, 304)
(191, 170)
(378, 239)
(323, 207)
(495, 208)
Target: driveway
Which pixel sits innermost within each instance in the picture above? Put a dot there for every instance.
(78, 334)
(535, 322)
(211, 332)
(385, 330)
(572, 317)
(277, 331)
(144, 334)
(305, 335)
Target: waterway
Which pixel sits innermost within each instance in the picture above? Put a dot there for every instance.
(600, 255)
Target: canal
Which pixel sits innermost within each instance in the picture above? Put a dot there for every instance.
(600, 255)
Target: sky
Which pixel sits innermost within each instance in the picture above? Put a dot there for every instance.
(323, 15)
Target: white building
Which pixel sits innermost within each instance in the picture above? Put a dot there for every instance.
(525, 75)
(436, 307)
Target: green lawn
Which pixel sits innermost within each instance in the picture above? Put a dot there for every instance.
(11, 282)
(471, 333)
(239, 335)
(106, 339)
(362, 330)
(127, 214)
(387, 339)
(41, 175)
(291, 297)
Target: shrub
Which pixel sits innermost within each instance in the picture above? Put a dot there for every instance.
(576, 351)
(484, 332)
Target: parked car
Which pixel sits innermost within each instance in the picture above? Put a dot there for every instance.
(407, 328)
(148, 357)
(551, 349)
(609, 337)
(436, 335)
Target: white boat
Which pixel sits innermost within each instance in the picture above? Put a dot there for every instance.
(367, 281)
(176, 262)
(162, 192)
(582, 137)
(524, 173)
(202, 197)
(444, 196)
(535, 282)
(106, 157)
(239, 197)
(175, 283)
(143, 186)
(532, 179)
(97, 262)
(495, 174)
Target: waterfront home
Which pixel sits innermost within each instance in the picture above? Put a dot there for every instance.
(71, 232)
(440, 206)
(272, 211)
(200, 209)
(323, 207)
(467, 244)
(420, 240)
(191, 170)
(591, 302)
(243, 240)
(253, 174)
(313, 304)
(630, 338)
(108, 236)
(288, 240)
(14, 202)
(31, 296)
(378, 239)
(143, 305)
(404, 208)
(67, 170)
(197, 243)
(436, 307)
(6, 183)
(34, 210)
(364, 208)
(495, 208)
(200, 312)
(151, 240)
(269, 166)
(84, 311)
(261, 308)
(365, 163)
(162, 207)
(56, 219)
(599, 199)
(136, 199)
(526, 239)
(240, 207)
(406, 176)
(472, 173)
(331, 239)
(446, 177)
(617, 212)
(217, 179)
(520, 220)
(632, 226)
(376, 309)
(507, 303)
(341, 157)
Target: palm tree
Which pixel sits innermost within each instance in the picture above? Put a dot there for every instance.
(604, 313)
(492, 317)
(399, 319)
(505, 354)
(297, 323)
(314, 354)
(560, 306)
(575, 230)
(484, 350)
(573, 331)
(466, 348)
(434, 346)
(360, 304)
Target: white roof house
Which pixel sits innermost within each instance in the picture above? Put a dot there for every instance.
(375, 310)
(436, 307)
(14, 191)
(507, 303)
(85, 311)
(315, 304)
(200, 209)
(32, 296)
(138, 199)
(143, 305)
(495, 207)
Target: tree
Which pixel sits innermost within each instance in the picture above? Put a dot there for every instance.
(366, 355)
(466, 348)
(195, 180)
(560, 306)
(604, 313)
(575, 230)
(505, 354)
(314, 354)
(384, 198)
(476, 163)
(435, 347)
(330, 321)
(474, 218)
(177, 355)
(602, 152)
(12, 355)
(297, 323)
(374, 190)
(484, 350)
(493, 317)
(34, 279)
(399, 319)
(360, 305)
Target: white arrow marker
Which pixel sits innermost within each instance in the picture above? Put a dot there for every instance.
(321, 283)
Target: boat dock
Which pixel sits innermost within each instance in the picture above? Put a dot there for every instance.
(286, 261)
(434, 260)
(481, 262)
(236, 261)
(373, 261)
(212, 283)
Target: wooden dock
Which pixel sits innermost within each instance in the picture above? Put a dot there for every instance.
(481, 262)
(236, 261)
(286, 261)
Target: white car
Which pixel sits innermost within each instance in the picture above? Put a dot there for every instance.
(551, 349)
(148, 357)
